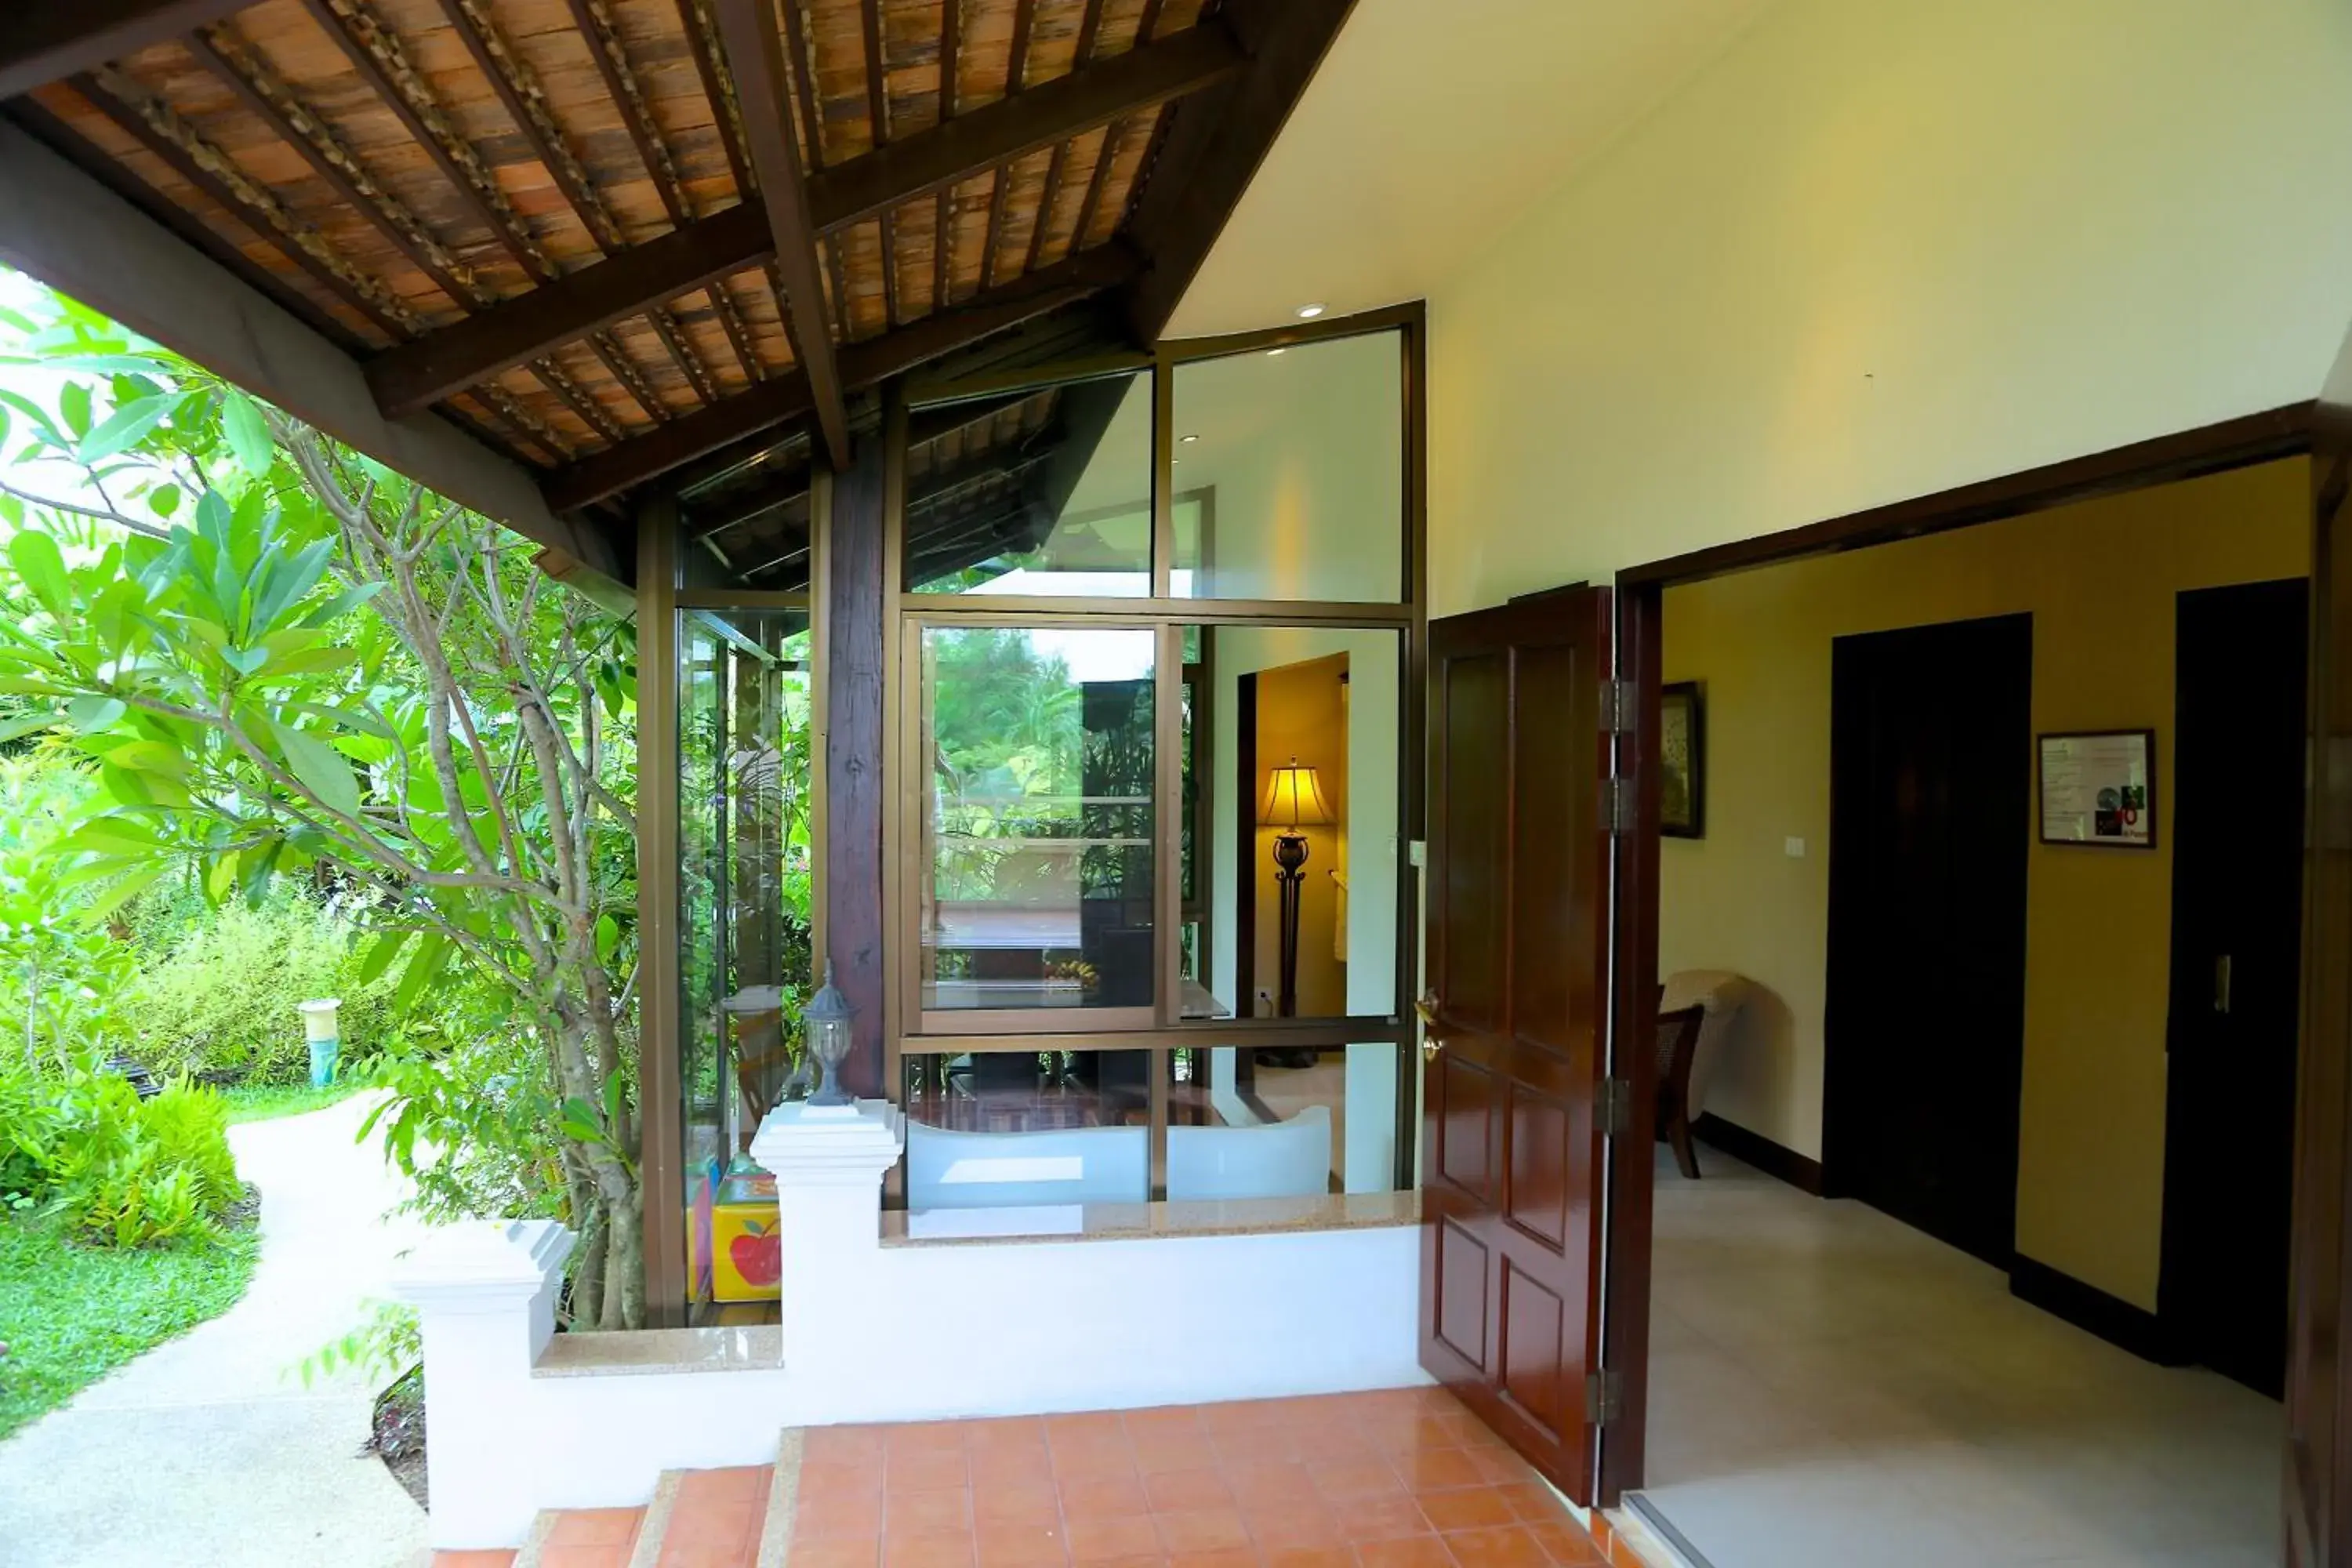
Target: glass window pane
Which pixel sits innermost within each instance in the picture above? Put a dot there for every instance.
(1248, 1122)
(1037, 824)
(1051, 495)
(1293, 779)
(743, 892)
(1023, 1141)
(1289, 476)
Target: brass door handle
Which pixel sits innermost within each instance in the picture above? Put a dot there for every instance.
(1432, 1041)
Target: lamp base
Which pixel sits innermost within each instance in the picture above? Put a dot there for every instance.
(1290, 872)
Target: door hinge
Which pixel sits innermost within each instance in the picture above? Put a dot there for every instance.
(1614, 1107)
(1604, 1397)
(1621, 806)
(1617, 702)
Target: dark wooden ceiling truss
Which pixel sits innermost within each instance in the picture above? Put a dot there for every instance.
(642, 245)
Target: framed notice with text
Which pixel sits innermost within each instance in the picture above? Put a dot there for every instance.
(2098, 788)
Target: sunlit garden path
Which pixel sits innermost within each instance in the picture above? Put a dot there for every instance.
(209, 1451)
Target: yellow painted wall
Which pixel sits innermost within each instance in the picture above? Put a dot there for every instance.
(1302, 712)
(1879, 248)
(2100, 579)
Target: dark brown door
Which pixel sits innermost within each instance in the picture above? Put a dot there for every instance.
(1930, 810)
(1517, 945)
(2318, 1493)
(2237, 932)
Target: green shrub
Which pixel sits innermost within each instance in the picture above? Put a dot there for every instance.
(222, 1000)
(121, 1172)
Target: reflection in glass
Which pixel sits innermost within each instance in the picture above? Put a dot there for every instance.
(1292, 464)
(1037, 824)
(1042, 1133)
(1258, 1123)
(1049, 493)
(744, 913)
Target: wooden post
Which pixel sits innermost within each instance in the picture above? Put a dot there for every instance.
(662, 1180)
(856, 610)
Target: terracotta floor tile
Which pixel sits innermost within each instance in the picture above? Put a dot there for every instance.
(1085, 1426)
(738, 1483)
(1437, 1470)
(719, 1525)
(1381, 1518)
(1296, 1524)
(1336, 1478)
(1020, 1544)
(709, 1554)
(1509, 1547)
(1169, 1490)
(1230, 1557)
(840, 1478)
(925, 1470)
(1112, 1455)
(837, 1551)
(1157, 1452)
(1471, 1508)
(1011, 1465)
(842, 1445)
(909, 1513)
(595, 1527)
(497, 1558)
(1435, 1398)
(928, 1549)
(825, 1515)
(1257, 1446)
(1309, 1557)
(1500, 1467)
(926, 1436)
(1017, 1502)
(1413, 1551)
(1533, 1500)
(1565, 1544)
(1164, 1421)
(1109, 1540)
(1202, 1530)
(1255, 1486)
(1021, 1432)
(1102, 1496)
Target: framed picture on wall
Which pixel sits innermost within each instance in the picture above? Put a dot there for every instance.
(2099, 789)
(1682, 761)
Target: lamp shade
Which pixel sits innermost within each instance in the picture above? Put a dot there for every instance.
(1294, 798)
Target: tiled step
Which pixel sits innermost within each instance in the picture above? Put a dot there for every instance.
(581, 1538)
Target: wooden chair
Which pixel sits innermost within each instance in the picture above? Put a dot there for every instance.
(1677, 1048)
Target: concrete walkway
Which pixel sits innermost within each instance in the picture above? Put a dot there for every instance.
(208, 1452)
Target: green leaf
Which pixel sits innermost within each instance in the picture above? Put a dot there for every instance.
(322, 769)
(25, 725)
(608, 937)
(126, 425)
(380, 954)
(248, 432)
(165, 498)
(95, 713)
(42, 565)
(422, 967)
(73, 403)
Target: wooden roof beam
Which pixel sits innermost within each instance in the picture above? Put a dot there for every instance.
(863, 364)
(1215, 145)
(437, 366)
(747, 31)
(47, 40)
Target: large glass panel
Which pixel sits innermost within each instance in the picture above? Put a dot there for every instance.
(1022, 1142)
(1037, 819)
(1289, 476)
(1050, 495)
(1294, 778)
(1246, 1123)
(744, 794)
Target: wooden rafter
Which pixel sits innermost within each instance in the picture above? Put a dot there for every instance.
(45, 40)
(789, 397)
(740, 237)
(747, 30)
(1215, 146)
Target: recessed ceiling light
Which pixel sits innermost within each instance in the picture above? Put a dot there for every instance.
(1308, 313)
(1271, 352)
(1188, 440)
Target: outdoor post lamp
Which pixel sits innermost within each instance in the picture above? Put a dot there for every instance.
(1293, 799)
(827, 1019)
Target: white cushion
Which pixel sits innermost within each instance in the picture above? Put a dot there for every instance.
(1720, 995)
(1279, 1160)
(1014, 1170)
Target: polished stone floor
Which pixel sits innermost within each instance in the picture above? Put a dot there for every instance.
(1831, 1387)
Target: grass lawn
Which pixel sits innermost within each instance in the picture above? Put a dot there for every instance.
(70, 1313)
(261, 1102)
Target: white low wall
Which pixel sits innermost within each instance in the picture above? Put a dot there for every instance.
(871, 1333)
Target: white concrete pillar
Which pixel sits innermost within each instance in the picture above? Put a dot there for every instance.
(485, 1291)
(829, 1162)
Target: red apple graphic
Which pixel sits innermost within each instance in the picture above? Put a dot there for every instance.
(759, 1257)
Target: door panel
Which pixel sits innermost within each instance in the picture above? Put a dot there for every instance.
(1519, 871)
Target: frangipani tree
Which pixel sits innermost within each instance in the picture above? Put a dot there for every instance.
(286, 656)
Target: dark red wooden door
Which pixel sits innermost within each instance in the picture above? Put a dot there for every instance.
(2318, 1497)
(1511, 1147)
